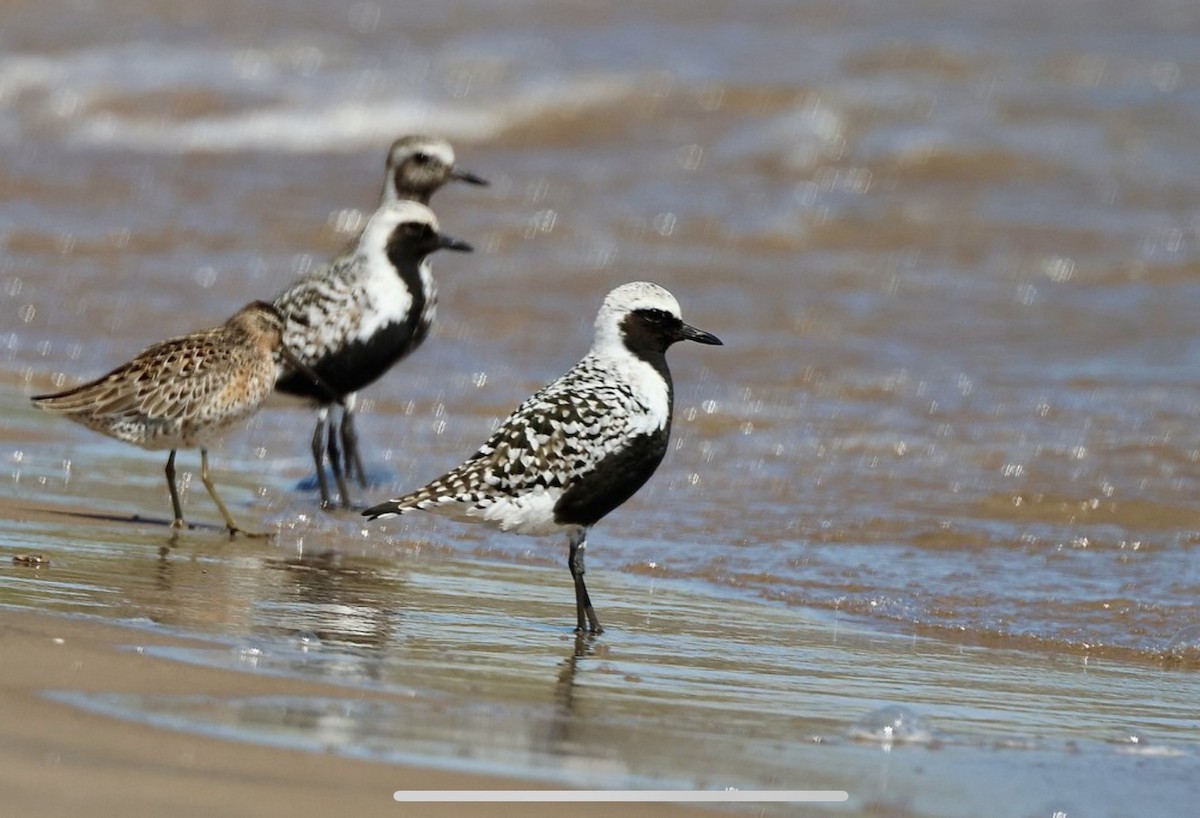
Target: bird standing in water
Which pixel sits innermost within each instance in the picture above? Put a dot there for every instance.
(185, 392)
(369, 290)
(581, 446)
(352, 321)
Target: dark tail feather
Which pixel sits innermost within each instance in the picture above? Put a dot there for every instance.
(391, 508)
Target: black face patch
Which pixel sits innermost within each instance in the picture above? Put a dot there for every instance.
(656, 329)
(411, 241)
(647, 333)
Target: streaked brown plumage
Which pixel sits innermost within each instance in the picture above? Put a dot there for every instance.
(184, 392)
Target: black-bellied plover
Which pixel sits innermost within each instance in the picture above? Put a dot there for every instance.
(581, 446)
(353, 320)
(185, 392)
(418, 165)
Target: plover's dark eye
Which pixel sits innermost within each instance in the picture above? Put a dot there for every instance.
(422, 158)
(417, 230)
(657, 316)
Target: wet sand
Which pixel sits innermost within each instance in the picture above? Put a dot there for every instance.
(241, 680)
(59, 760)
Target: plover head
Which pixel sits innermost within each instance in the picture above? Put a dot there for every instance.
(644, 319)
(418, 165)
(407, 230)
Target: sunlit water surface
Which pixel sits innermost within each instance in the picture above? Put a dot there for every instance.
(952, 251)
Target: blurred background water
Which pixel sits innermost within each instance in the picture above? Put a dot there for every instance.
(952, 249)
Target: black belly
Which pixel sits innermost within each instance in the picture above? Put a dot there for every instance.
(615, 479)
(357, 364)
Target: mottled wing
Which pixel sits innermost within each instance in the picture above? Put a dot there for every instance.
(318, 311)
(553, 438)
(167, 385)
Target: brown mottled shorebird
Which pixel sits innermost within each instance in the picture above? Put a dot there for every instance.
(185, 392)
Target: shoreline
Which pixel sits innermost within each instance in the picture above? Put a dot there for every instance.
(56, 759)
(145, 675)
(468, 658)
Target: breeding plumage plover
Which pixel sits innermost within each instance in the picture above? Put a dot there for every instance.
(581, 446)
(417, 166)
(185, 392)
(351, 321)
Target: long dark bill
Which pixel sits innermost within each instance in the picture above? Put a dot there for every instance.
(689, 333)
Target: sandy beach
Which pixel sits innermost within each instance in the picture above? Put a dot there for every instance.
(58, 760)
(216, 677)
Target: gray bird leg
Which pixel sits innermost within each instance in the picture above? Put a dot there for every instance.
(583, 603)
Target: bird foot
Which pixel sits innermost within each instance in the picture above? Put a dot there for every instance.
(253, 535)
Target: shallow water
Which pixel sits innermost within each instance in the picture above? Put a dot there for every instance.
(466, 663)
(951, 249)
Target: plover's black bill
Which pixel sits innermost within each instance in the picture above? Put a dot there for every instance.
(451, 243)
(689, 333)
(468, 177)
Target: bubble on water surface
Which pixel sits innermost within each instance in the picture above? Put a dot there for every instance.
(1134, 744)
(307, 640)
(250, 656)
(894, 724)
(1184, 647)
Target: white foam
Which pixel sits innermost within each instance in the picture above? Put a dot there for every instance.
(306, 128)
(293, 97)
